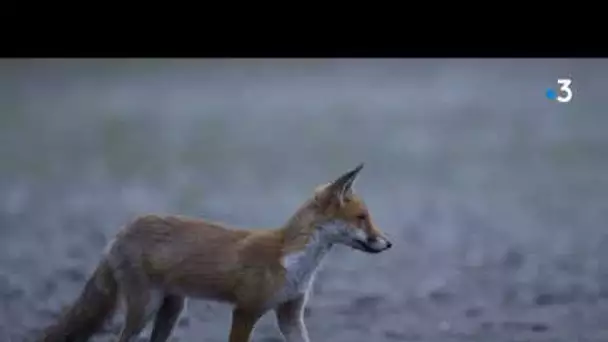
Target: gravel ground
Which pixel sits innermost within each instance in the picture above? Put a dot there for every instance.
(496, 198)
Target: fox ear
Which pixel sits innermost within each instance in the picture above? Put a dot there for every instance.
(344, 183)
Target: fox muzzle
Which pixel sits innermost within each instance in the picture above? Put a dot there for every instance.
(374, 244)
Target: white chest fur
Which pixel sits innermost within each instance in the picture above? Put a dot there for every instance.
(301, 267)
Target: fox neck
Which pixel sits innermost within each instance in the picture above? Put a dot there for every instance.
(305, 247)
(301, 232)
(307, 241)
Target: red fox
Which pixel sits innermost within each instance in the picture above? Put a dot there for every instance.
(156, 262)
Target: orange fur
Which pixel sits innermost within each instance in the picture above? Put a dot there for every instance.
(183, 257)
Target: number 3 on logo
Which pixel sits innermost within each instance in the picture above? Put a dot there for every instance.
(565, 90)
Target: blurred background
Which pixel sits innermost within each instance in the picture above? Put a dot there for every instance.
(495, 197)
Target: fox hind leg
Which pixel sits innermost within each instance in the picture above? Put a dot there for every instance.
(139, 299)
(166, 317)
(135, 317)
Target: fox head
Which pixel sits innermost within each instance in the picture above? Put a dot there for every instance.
(343, 218)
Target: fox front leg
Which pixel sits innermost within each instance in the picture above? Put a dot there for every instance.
(290, 316)
(243, 322)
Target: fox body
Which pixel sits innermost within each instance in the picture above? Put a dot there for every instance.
(156, 262)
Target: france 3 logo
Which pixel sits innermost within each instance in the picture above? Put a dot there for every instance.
(564, 91)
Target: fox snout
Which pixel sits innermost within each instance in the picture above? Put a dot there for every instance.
(373, 244)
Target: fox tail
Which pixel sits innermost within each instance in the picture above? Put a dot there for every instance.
(96, 302)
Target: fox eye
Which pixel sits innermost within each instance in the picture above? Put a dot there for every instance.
(361, 217)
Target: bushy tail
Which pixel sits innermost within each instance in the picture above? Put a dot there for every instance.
(95, 303)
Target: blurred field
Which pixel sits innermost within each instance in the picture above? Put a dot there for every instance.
(495, 197)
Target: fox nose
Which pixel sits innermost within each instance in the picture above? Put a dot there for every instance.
(376, 240)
